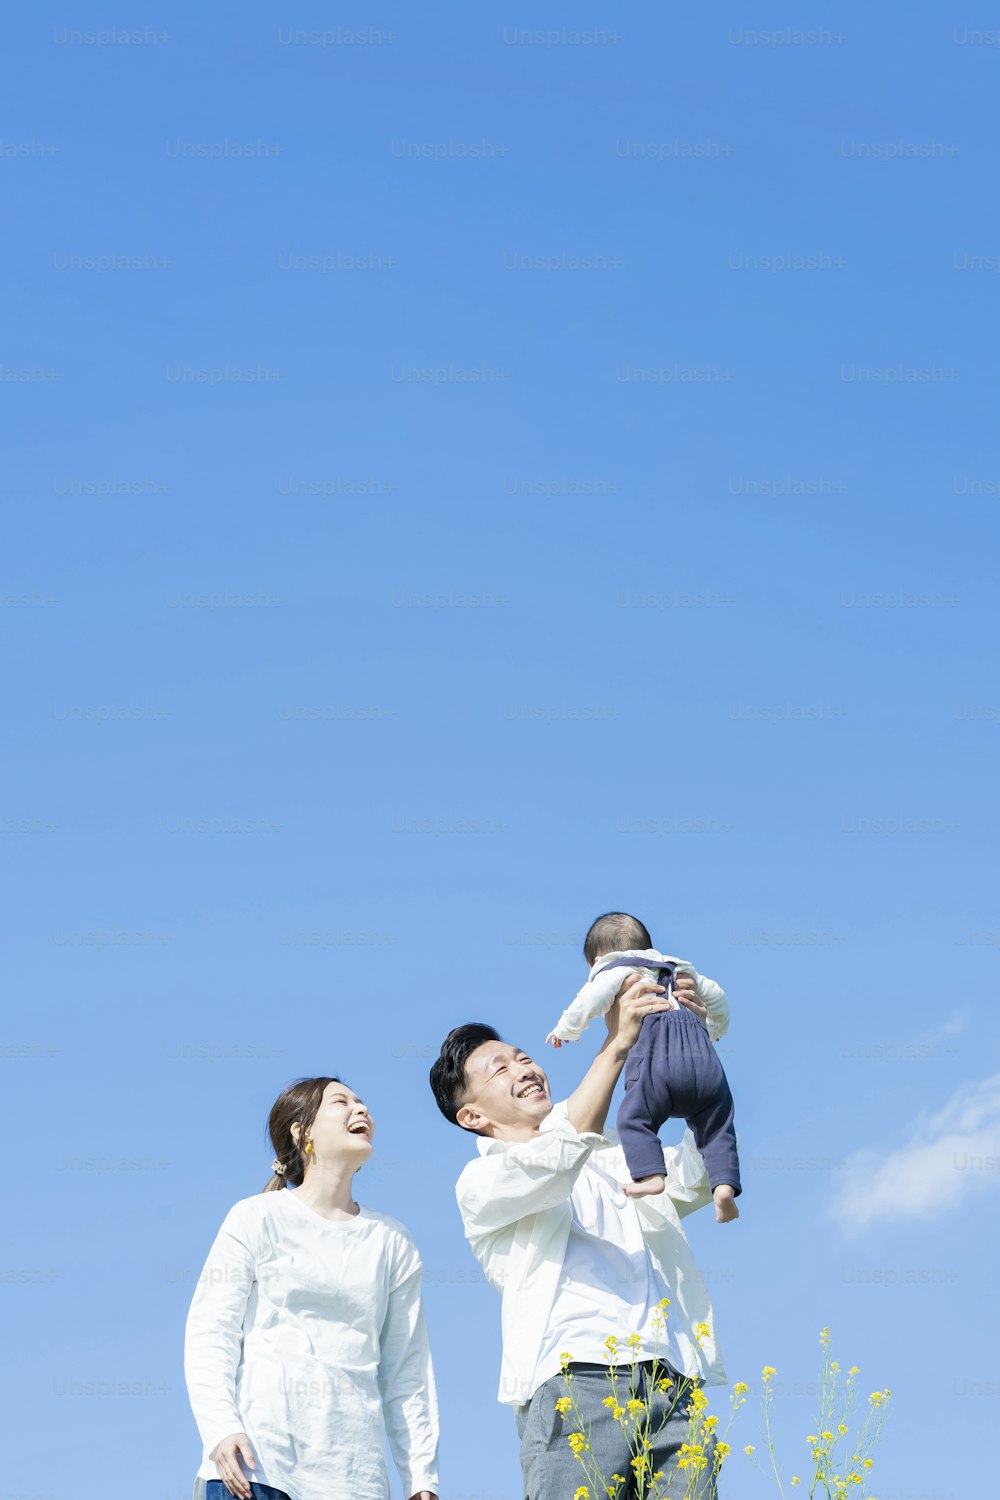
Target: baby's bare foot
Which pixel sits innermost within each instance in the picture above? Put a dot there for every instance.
(645, 1187)
(725, 1204)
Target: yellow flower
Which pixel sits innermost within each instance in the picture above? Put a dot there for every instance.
(633, 1341)
(564, 1359)
(869, 1463)
(852, 1372)
(812, 1440)
(710, 1423)
(664, 1384)
(609, 1401)
(577, 1442)
(750, 1448)
(824, 1336)
(827, 1437)
(663, 1304)
(740, 1388)
(796, 1479)
(635, 1406)
(767, 1372)
(692, 1456)
(582, 1493)
(611, 1342)
(563, 1405)
(723, 1450)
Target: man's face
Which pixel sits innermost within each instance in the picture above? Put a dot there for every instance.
(508, 1094)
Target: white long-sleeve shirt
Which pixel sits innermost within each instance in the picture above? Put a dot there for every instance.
(603, 983)
(516, 1202)
(309, 1336)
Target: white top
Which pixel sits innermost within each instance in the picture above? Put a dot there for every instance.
(596, 996)
(309, 1336)
(608, 1284)
(517, 1201)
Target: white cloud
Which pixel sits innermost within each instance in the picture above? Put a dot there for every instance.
(954, 1026)
(947, 1158)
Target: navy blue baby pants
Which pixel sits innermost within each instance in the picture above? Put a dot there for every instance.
(674, 1072)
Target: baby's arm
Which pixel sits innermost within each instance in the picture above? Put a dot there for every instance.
(714, 999)
(593, 1000)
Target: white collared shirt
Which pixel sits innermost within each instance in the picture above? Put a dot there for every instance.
(517, 1202)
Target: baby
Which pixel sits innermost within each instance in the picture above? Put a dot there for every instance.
(673, 1071)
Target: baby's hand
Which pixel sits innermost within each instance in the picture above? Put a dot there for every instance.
(552, 1040)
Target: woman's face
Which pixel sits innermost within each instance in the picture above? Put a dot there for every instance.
(342, 1127)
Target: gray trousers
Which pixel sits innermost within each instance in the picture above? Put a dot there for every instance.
(551, 1472)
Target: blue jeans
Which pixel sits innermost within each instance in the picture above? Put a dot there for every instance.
(216, 1490)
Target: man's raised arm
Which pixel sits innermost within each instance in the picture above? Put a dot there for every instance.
(588, 1105)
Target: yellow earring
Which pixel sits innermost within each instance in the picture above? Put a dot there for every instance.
(309, 1146)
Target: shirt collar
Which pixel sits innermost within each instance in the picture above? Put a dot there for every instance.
(485, 1144)
(645, 958)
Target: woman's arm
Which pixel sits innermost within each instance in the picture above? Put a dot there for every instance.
(213, 1336)
(406, 1379)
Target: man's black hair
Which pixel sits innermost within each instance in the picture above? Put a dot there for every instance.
(448, 1076)
(612, 932)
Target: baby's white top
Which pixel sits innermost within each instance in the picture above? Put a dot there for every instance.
(597, 995)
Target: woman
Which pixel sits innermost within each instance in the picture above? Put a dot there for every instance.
(306, 1345)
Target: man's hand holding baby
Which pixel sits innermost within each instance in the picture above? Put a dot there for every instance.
(686, 992)
(642, 997)
(639, 998)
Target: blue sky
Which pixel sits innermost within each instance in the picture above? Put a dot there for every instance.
(608, 519)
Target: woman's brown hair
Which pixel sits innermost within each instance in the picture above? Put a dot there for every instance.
(300, 1103)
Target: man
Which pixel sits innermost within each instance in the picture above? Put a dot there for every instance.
(576, 1260)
